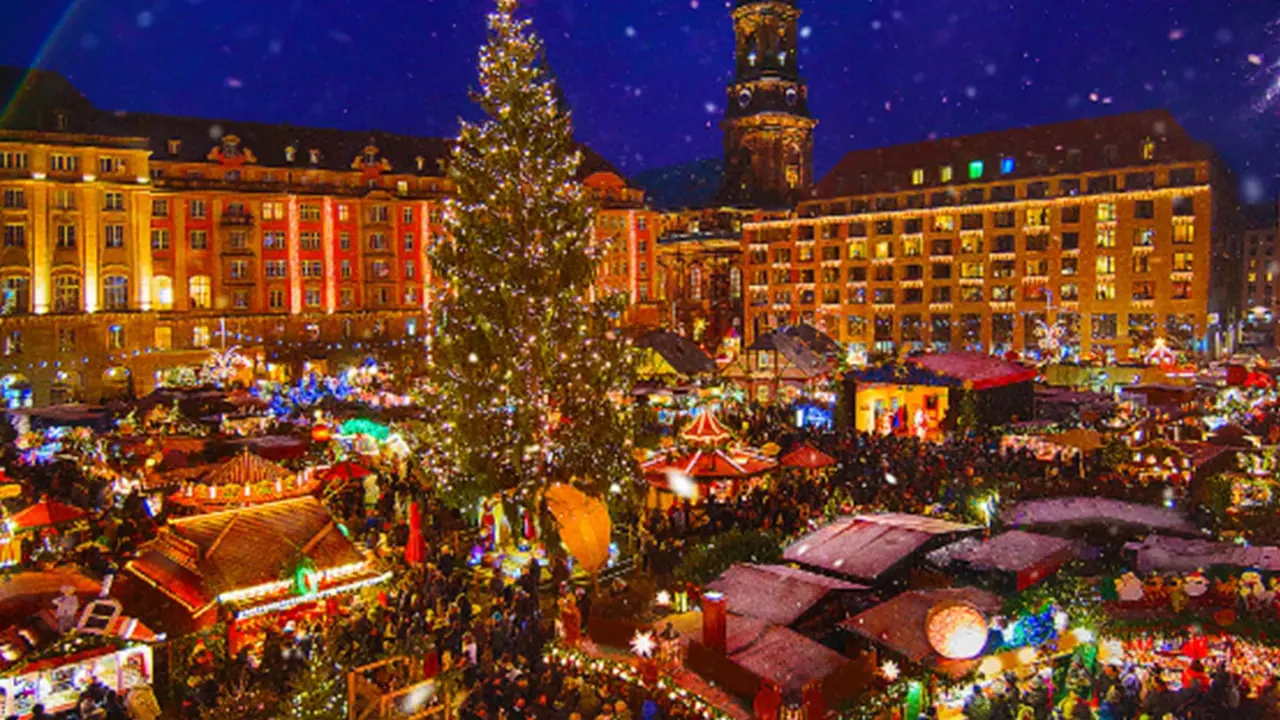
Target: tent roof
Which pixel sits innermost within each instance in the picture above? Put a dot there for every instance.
(1095, 510)
(815, 339)
(981, 370)
(798, 355)
(196, 559)
(775, 593)
(899, 624)
(868, 546)
(681, 353)
(778, 653)
(807, 456)
(1161, 552)
(1013, 551)
(46, 513)
(246, 467)
(714, 464)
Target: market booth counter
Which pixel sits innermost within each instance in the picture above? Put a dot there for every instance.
(251, 566)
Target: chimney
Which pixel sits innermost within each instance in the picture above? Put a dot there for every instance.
(714, 622)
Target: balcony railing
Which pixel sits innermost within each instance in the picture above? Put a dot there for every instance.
(236, 219)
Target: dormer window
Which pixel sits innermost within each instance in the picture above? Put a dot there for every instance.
(1148, 149)
(370, 157)
(175, 146)
(315, 156)
(421, 162)
(60, 120)
(289, 153)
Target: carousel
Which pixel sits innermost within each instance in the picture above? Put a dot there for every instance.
(711, 464)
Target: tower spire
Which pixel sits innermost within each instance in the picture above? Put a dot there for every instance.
(768, 131)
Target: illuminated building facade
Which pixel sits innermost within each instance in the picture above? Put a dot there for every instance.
(768, 132)
(1104, 233)
(1261, 272)
(133, 242)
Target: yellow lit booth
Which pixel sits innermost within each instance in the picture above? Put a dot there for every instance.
(915, 397)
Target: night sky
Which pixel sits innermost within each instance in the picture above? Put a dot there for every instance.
(646, 77)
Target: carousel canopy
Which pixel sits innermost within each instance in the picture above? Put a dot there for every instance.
(807, 456)
(46, 513)
(705, 430)
(222, 557)
(868, 547)
(899, 624)
(719, 464)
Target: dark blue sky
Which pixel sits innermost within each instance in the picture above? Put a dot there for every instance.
(646, 77)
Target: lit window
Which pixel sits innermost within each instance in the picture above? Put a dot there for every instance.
(917, 176)
(1006, 165)
(66, 297)
(200, 288)
(163, 292)
(975, 169)
(200, 336)
(1148, 149)
(163, 337)
(944, 173)
(115, 292)
(115, 337)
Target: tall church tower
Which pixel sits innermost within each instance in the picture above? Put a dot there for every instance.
(768, 133)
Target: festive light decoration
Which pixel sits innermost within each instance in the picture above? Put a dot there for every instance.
(278, 586)
(643, 644)
(890, 670)
(524, 360)
(287, 603)
(957, 631)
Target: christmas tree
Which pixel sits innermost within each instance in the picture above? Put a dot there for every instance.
(526, 368)
(319, 690)
(242, 701)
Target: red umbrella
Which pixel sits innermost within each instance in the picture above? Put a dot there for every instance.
(415, 551)
(345, 470)
(46, 513)
(806, 456)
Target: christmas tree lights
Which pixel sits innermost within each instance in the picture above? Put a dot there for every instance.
(524, 357)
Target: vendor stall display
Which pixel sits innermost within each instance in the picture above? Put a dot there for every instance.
(251, 563)
(57, 683)
(714, 466)
(245, 479)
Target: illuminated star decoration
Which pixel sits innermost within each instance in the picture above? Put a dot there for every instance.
(642, 644)
(1050, 338)
(890, 670)
(1161, 354)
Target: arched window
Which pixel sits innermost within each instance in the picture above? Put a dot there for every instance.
(163, 292)
(66, 294)
(200, 288)
(115, 292)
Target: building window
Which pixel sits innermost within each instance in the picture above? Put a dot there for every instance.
(309, 240)
(347, 297)
(1148, 149)
(1183, 262)
(312, 268)
(1105, 265)
(383, 296)
(239, 240)
(1105, 291)
(410, 270)
(917, 176)
(115, 337)
(239, 269)
(15, 236)
(1106, 237)
(1184, 234)
(240, 299)
(377, 241)
(1070, 266)
(163, 286)
(408, 241)
(1006, 165)
(113, 236)
(1106, 212)
(13, 160)
(275, 299)
(1144, 237)
(16, 297)
(272, 211)
(1104, 326)
(200, 336)
(200, 288)
(196, 209)
(344, 241)
(159, 239)
(344, 269)
(66, 294)
(273, 241)
(311, 298)
(975, 169)
(159, 208)
(1144, 209)
(64, 163)
(276, 268)
(115, 292)
(945, 173)
(199, 240)
(15, 199)
(308, 212)
(113, 201)
(66, 239)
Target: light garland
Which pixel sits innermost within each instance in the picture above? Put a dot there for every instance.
(337, 573)
(624, 671)
(303, 599)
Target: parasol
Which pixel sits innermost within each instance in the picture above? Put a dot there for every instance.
(345, 470)
(46, 513)
(807, 456)
(584, 525)
(415, 550)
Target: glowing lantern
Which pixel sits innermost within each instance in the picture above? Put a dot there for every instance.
(956, 631)
(585, 527)
(321, 433)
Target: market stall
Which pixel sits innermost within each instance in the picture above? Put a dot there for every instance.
(245, 479)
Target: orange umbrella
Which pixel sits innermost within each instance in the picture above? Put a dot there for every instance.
(585, 527)
(46, 513)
